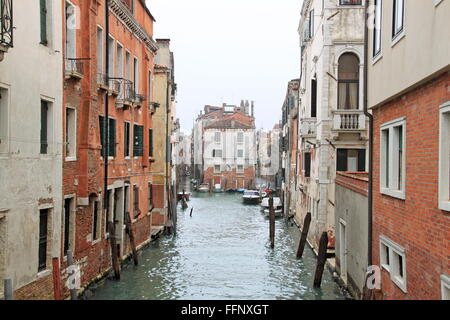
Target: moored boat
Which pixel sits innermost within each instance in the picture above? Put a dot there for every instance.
(277, 205)
(251, 197)
(204, 187)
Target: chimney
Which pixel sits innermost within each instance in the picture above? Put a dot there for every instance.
(253, 109)
(247, 107)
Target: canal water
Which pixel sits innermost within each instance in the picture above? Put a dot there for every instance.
(222, 252)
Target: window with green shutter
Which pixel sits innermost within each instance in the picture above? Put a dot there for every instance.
(43, 13)
(44, 127)
(112, 137)
(126, 139)
(150, 143)
(102, 134)
(138, 150)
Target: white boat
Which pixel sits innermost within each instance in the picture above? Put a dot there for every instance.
(204, 187)
(278, 206)
(218, 189)
(251, 196)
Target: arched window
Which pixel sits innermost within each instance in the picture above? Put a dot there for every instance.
(348, 82)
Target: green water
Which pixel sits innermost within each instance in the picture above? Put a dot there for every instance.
(222, 252)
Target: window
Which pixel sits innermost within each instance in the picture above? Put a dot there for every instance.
(150, 197)
(43, 16)
(71, 146)
(100, 65)
(217, 169)
(150, 86)
(377, 28)
(127, 65)
(444, 157)
(217, 137)
(138, 150)
(445, 287)
(127, 203)
(351, 160)
(126, 139)
(240, 137)
(311, 23)
(136, 75)
(68, 224)
(217, 153)
(71, 52)
(240, 169)
(43, 237)
(398, 17)
(240, 153)
(46, 126)
(108, 209)
(307, 164)
(111, 136)
(111, 57)
(393, 260)
(119, 62)
(4, 119)
(349, 2)
(393, 159)
(95, 220)
(150, 143)
(313, 98)
(348, 82)
(136, 211)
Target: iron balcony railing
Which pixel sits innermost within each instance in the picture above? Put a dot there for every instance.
(102, 80)
(6, 23)
(74, 67)
(124, 89)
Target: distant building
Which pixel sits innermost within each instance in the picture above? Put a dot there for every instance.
(268, 154)
(225, 146)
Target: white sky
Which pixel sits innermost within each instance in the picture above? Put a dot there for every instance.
(230, 50)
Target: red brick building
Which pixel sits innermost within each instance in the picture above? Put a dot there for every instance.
(127, 84)
(409, 94)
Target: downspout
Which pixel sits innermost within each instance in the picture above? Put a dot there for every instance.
(167, 147)
(370, 116)
(105, 119)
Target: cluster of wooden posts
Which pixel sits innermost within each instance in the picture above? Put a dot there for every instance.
(322, 254)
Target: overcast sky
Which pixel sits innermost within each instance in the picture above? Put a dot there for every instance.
(230, 50)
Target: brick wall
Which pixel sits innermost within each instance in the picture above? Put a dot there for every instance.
(416, 223)
(231, 179)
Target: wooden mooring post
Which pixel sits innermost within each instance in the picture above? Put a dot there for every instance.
(8, 289)
(271, 223)
(321, 259)
(304, 236)
(113, 244)
(70, 262)
(56, 278)
(192, 210)
(129, 231)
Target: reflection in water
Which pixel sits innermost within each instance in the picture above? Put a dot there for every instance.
(222, 252)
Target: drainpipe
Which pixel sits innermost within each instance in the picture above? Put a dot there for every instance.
(370, 116)
(106, 120)
(169, 215)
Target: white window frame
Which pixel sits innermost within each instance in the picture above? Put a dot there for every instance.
(445, 286)
(217, 137)
(242, 155)
(215, 167)
(72, 222)
(378, 22)
(72, 157)
(395, 251)
(99, 220)
(240, 171)
(100, 60)
(50, 126)
(444, 157)
(119, 62)
(240, 141)
(5, 121)
(393, 189)
(399, 34)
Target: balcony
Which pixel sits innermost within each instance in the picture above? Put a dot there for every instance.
(6, 26)
(74, 68)
(102, 81)
(139, 99)
(123, 89)
(349, 120)
(308, 128)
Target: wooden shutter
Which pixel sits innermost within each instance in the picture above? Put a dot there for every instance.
(150, 196)
(313, 98)
(342, 164)
(138, 141)
(127, 139)
(102, 134)
(43, 13)
(136, 210)
(307, 165)
(112, 137)
(44, 142)
(150, 143)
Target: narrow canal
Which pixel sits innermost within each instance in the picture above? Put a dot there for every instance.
(222, 252)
